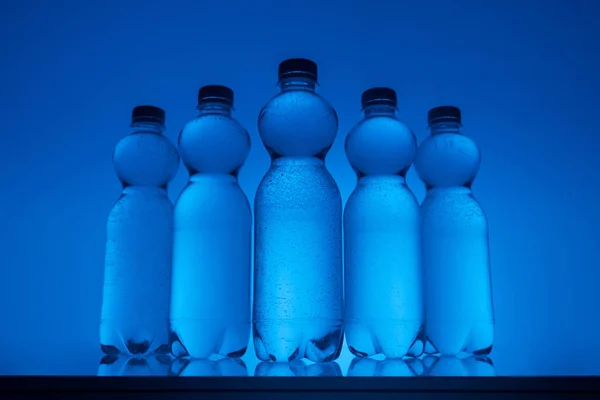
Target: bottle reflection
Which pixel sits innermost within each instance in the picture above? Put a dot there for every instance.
(122, 365)
(198, 367)
(458, 366)
(407, 367)
(297, 368)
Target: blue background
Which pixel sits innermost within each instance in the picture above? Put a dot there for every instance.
(525, 74)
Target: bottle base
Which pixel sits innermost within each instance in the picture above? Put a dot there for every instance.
(203, 339)
(393, 339)
(452, 339)
(318, 340)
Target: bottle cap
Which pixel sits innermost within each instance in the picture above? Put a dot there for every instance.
(379, 95)
(148, 114)
(215, 93)
(298, 67)
(444, 114)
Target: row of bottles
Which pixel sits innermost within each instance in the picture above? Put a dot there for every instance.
(163, 365)
(403, 278)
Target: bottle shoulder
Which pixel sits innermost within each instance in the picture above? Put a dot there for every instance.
(382, 192)
(380, 145)
(457, 204)
(298, 123)
(214, 143)
(447, 160)
(306, 179)
(145, 159)
(206, 124)
(207, 193)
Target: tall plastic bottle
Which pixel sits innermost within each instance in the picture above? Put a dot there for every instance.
(135, 302)
(298, 297)
(382, 235)
(210, 297)
(459, 314)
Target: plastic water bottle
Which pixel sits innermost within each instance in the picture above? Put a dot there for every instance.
(459, 314)
(210, 297)
(135, 305)
(382, 235)
(298, 295)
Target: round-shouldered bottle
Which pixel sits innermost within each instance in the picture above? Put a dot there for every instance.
(382, 235)
(135, 301)
(298, 297)
(459, 313)
(210, 297)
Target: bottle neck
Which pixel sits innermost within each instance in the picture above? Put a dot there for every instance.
(147, 127)
(380, 109)
(297, 83)
(445, 127)
(214, 107)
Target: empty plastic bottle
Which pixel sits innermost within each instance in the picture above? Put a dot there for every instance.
(298, 295)
(210, 297)
(459, 314)
(382, 235)
(135, 305)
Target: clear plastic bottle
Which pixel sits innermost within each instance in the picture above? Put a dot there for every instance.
(298, 295)
(382, 235)
(459, 314)
(210, 297)
(135, 302)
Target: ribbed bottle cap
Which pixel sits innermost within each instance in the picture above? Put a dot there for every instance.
(298, 67)
(148, 114)
(443, 114)
(215, 93)
(379, 95)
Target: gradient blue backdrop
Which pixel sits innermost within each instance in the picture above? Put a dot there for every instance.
(524, 72)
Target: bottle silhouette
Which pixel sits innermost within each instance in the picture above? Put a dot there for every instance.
(210, 296)
(298, 222)
(135, 302)
(382, 235)
(459, 314)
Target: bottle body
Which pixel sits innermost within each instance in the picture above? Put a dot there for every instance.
(136, 291)
(210, 303)
(383, 287)
(456, 264)
(298, 263)
(135, 308)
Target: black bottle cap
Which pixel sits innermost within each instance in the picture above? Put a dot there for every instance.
(379, 95)
(298, 67)
(215, 93)
(148, 114)
(444, 114)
